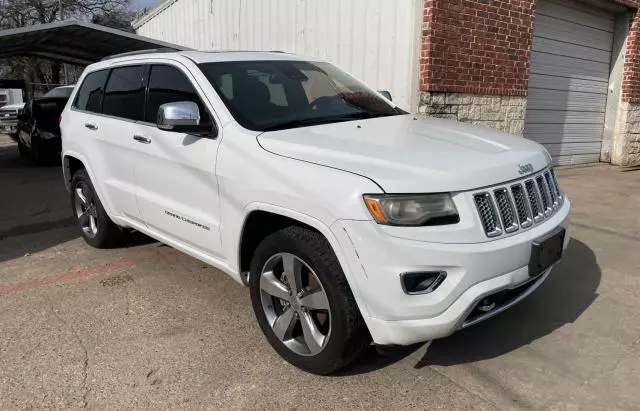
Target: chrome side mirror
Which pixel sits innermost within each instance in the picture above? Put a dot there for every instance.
(386, 94)
(178, 116)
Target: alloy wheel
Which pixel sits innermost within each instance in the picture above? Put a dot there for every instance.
(86, 210)
(295, 304)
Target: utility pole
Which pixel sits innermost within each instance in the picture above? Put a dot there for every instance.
(64, 65)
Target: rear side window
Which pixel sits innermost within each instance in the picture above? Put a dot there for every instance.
(168, 84)
(91, 92)
(124, 94)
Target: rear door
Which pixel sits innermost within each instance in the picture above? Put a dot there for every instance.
(101, 113)
(177, 187)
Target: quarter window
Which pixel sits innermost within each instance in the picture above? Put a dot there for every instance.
(168, 84)
(124, 95)
(91, 92)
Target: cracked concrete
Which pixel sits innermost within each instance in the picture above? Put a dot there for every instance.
(85, 365)
(145, 327)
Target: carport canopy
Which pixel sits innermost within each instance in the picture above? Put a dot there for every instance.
(73, 42)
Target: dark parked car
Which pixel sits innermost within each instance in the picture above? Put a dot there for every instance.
(39, 126)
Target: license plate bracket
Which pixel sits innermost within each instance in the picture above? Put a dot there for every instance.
(546, 251)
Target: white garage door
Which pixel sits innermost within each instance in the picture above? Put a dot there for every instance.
(569, 79)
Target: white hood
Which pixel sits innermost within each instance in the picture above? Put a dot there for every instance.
(403, 154)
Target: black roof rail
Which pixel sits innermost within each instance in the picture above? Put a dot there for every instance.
(137, 52)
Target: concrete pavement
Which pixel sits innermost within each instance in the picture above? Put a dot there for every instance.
(145, 326)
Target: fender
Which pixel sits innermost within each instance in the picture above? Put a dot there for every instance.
(316, 224)
(106, 203)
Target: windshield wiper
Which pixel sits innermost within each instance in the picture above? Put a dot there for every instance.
(298, 123)
(314, 121)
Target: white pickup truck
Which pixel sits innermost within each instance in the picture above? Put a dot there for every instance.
(349, 219)
(11, 105)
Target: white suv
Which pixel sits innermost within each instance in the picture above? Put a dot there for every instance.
(349, 219)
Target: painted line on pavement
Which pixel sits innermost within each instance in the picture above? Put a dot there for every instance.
(85, 272)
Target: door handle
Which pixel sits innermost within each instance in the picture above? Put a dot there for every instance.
(91, 126)
(142, 139)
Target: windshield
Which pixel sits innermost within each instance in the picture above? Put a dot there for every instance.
(60, 92)
(275, 95)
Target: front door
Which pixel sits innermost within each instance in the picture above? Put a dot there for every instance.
(175, 172)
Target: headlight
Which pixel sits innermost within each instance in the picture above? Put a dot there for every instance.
(412, 210)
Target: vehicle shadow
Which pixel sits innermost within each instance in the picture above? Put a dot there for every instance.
(35, 210)
(566, 294)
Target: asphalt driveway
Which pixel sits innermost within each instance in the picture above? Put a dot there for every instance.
(145, 326)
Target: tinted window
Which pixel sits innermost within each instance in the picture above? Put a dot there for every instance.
(124, 95)
(91, 92)
(167, 84)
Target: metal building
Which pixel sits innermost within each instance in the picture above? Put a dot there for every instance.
(376, 40)
(560, 72)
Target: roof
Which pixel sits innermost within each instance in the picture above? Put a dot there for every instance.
(203, 57)
(73, 42)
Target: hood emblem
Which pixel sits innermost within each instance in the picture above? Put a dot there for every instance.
(525, 168)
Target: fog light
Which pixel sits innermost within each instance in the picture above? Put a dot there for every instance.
(422, 283)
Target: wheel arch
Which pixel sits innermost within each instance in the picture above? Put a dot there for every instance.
(255, 215)
(71, 164)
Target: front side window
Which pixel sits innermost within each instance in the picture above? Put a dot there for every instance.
(124, 94)
(275, 95)
(91, 92)
(167, 84)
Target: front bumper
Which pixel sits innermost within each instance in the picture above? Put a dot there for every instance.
(474, 271)
(8, 128)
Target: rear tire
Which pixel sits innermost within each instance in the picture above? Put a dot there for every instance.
(97, 228)
(38, 154)
(333, 346)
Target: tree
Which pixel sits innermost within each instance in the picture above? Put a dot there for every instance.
(120, 20)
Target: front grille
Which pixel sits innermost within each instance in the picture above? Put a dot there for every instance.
(519, 206)
(8, 115)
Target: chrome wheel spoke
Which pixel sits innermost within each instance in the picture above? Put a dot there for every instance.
(316, 300)
(274, 287)
(283, 325)
(313, 338)
(84, 219)
(81, 196)
(93, 224)
(293, 272)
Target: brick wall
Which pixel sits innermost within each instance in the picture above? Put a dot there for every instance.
(476, 46)
(631, 80)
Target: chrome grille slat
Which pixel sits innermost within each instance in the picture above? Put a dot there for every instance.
(506, 209)
(534, 201)
(522, 207)
(488, 215)
(552, 189)
(556, 186)
(547, 205)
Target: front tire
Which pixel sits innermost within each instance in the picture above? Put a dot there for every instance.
(303, 303)
(97, 228)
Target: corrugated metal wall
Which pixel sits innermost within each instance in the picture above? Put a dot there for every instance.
(376, 40)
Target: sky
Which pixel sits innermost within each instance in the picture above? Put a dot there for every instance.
(139, 4)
